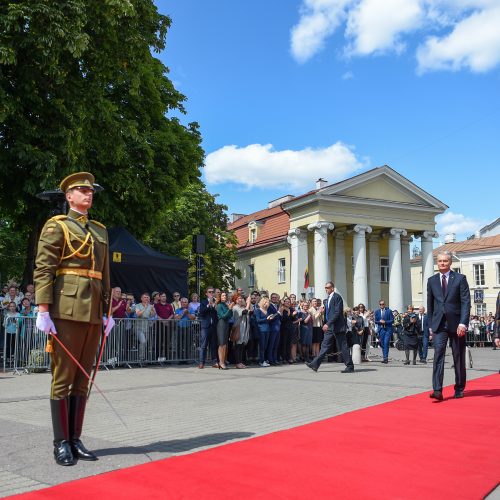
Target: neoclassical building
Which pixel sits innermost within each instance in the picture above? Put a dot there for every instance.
(355, 232)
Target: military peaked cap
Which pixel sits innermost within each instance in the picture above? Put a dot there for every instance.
(79, 179)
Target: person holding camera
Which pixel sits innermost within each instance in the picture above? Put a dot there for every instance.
(411, 334)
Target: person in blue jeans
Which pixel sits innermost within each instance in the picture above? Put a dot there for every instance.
(384, 320)
(263, 317)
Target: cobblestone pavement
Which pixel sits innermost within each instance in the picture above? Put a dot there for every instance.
(180, 409)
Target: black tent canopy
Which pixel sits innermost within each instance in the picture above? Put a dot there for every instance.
(137, 268)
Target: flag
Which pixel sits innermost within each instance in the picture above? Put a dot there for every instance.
(306, 278)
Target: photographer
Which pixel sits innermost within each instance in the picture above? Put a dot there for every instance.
(411, 334)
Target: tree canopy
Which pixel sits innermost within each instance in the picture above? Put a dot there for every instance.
(81, 89)
(204, 216)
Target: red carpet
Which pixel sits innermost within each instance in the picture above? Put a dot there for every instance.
(409, 448)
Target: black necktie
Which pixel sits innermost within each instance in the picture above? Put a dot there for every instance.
(443, 284)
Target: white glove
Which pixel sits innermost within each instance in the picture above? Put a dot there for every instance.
(44, 323)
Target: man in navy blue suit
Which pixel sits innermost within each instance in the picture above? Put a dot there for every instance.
(448, 308)
(335, 330)
(384, 320)
(208, 319)
(423, 345)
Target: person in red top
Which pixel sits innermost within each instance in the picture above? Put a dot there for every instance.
(165, 311)
(118, 304)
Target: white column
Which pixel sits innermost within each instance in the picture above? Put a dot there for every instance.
(321, 265)
(340, 280)
(360, 281)
(405, 264)
(298, 257)
(374, 277)
(427, 261)
(396, 297)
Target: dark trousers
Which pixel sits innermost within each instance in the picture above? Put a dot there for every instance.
(285, 345)
(423, 346)
(274, 340)
(440, 339)
(208, 340)
(263, 346)
(327, 346)
(364, 340)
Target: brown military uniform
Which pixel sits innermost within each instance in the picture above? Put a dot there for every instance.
(72, 276)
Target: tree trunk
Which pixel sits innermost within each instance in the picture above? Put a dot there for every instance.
(29, 265)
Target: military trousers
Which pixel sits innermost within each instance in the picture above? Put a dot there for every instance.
(81, 339)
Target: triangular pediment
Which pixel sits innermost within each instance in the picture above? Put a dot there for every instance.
(383, 184)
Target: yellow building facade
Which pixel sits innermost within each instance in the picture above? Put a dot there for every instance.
(355, 233)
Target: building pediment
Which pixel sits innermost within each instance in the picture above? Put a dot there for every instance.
(379, 186)
(385, 185)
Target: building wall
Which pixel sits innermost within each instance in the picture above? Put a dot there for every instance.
(265, 263)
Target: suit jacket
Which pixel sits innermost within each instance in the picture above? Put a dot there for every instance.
(334, 315)
(454, 306)
(388, 318)
(67, 245)
(207, 315)
(497, 317)
(424, 325)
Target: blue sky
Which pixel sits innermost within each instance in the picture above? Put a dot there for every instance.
(286, 91)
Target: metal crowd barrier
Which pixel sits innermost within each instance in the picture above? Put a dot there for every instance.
(131, 342)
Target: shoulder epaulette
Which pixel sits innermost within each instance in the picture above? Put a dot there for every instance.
(58, 217)
(98, 223)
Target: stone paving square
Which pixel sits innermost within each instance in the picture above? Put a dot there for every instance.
(180, 409)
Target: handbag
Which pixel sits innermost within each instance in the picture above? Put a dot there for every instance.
(234, 336)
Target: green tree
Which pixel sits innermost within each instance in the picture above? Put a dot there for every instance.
(196, 211)
(80, 89)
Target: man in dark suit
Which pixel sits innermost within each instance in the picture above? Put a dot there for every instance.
(335, 330)
(497, 323)
(448, 307)
(423, 323)
(384, 320)
(208, 319)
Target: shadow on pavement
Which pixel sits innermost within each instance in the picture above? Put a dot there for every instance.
(175, 445)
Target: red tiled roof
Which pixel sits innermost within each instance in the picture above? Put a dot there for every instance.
(275, 225)
(468, 246)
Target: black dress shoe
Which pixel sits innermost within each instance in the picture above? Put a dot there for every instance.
(312, 367)
(436, 395)
(347, 370)
(79, 451)
(385, 361)
(406, 362)
(62, 453)
(459, 394)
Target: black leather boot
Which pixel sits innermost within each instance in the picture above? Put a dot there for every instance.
(76, 415)
(60, 424)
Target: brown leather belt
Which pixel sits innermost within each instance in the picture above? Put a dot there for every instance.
(87, 273)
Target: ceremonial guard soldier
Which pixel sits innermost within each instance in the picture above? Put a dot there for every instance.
(72, 287)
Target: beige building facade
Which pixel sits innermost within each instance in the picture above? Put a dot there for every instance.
(356, 233)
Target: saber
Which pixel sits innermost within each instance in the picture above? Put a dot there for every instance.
(101, 348)
(99, 357)
(82, 369)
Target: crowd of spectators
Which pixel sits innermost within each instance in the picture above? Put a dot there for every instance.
(261, 328)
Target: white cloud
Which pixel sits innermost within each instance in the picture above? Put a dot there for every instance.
(260, 165)
(462, 226)
(319, 19)
(348, 75)
(474, 43)
(376, 25)
(453, 34)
